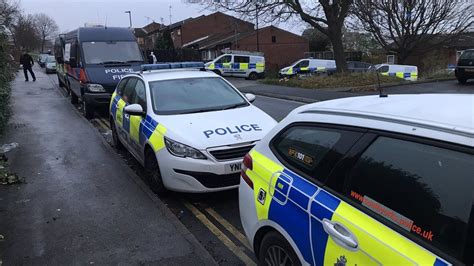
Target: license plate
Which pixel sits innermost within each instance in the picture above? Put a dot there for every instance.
(469, 69)
(233, 167)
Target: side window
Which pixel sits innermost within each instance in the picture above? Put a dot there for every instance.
(241, 59)
(224, 59)
(424, 190)
(121, 86)
(129, 90)
(313, 150)
(140, 94)
(304, 63)
(383, 69)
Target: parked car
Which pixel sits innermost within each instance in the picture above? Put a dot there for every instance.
(364, 181)
(238, 64)
(405, 72)
(355, 66)
(465, 67)
(307, 66)
(190, 129)
(41, 59)
(50, 64)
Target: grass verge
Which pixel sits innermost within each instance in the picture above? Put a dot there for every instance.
(334, 81)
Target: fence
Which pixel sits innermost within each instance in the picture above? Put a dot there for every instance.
(329, 55)
(176, 55)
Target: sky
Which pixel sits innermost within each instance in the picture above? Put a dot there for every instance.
(71, 14)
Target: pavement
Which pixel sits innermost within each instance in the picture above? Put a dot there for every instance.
(315, 95)
(80, 204)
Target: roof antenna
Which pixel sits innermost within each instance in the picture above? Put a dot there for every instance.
(381, 94)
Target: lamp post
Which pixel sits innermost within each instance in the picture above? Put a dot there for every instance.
(256, 16)
(129, 17)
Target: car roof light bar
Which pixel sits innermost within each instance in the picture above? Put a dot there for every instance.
(180, 65)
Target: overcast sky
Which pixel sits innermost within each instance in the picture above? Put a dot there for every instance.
(71, 14)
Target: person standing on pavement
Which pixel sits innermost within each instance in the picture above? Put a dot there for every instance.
(27, 61)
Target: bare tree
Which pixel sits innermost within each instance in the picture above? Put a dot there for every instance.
(8, 11)
(407, 27)
(24, 32)
(46, 26)
(326, 16)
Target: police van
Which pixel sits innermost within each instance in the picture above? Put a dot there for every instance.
(364, 181)
(307, 66)
(405, 72)
(238, 64)
(92, 60)
(190, 129)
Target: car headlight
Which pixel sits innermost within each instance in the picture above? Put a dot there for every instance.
(181, 150)
(95, 88)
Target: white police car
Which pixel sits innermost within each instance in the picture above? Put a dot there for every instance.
(364, 181)
(190, 129)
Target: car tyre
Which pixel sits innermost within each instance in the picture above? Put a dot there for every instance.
(153, 173)
(253, 76)
(87, 109)
(61, 85)
(275, 250)
(462, 80)
(115, 138)
(74, 98)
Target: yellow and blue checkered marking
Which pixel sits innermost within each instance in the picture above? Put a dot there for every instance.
(140, 129)
(300, 206)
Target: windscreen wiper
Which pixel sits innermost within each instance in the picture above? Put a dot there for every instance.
(134, 61)
(234, 106)
(112, 62)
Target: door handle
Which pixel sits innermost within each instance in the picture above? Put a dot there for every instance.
(340, 234)
(127, 116)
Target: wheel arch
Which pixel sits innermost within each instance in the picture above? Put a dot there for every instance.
(270, 226)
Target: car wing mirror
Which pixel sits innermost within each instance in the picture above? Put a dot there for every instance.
(250, 97)
(134, 109)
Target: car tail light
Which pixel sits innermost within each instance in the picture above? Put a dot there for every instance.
(247, 164)
(82, 76)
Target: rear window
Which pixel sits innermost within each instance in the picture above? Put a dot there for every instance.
(424, 190)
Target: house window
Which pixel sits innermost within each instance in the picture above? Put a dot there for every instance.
(179, 32)
(274, 39)
(390, 59)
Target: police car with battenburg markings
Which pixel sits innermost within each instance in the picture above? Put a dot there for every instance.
(364, 181)
(189, 128)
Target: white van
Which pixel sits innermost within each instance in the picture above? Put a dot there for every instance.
(304, 66)
(247, 65)
(405, 72)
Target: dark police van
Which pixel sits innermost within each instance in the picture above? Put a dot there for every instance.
(91, 61)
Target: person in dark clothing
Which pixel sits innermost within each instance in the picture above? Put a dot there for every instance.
(27, 61)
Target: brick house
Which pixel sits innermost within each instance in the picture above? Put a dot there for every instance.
(442, 57)
(210, 34)
(146, 36)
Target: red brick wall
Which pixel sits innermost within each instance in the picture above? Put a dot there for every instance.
(211, 24)
(287, 49)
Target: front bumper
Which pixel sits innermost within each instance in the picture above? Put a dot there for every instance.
(98, 98)
(461, 72)
(198, 176)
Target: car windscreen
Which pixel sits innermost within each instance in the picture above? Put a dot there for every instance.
(111, 52)
(467, 55)
(193, 95)
(50, 59)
